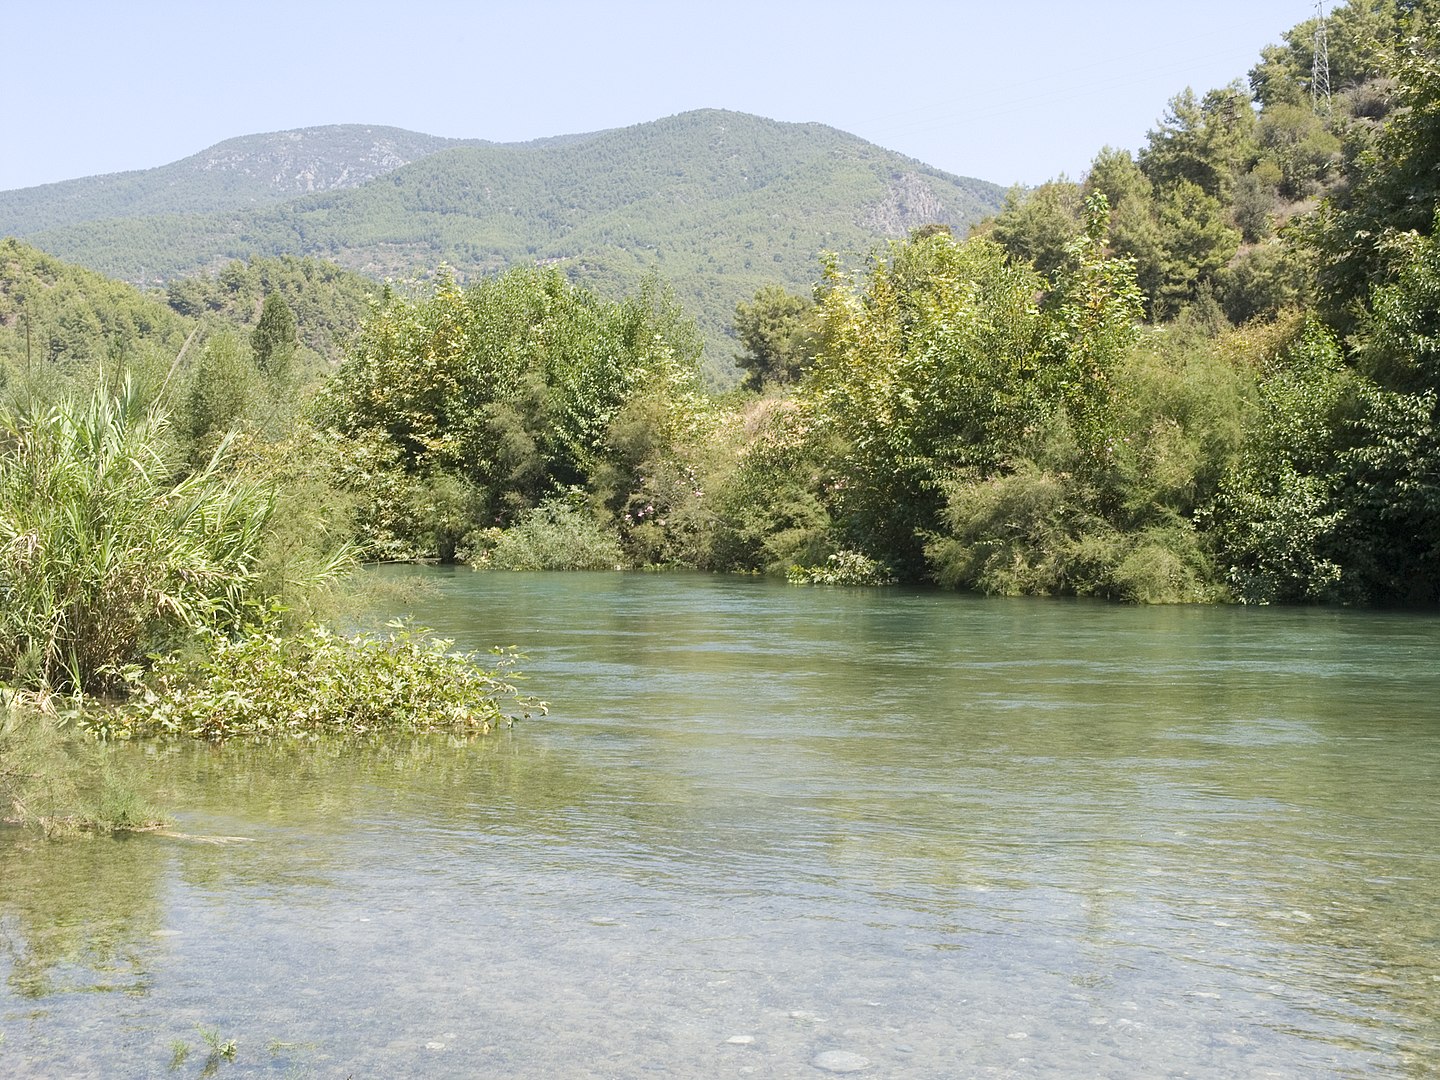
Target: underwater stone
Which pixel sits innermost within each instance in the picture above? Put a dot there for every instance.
(839, 1061)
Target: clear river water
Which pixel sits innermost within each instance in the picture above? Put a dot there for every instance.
(774, 831)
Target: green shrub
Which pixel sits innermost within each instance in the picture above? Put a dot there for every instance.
(315, 683)
(553, 536)
(766, 509)
(842, 568)
(1036, 532)
(1011, 535)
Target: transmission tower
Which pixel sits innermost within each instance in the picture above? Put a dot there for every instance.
(1320, 64)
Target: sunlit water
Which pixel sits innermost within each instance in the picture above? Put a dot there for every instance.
(768, 829)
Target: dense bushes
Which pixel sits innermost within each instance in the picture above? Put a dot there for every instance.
(552, 536)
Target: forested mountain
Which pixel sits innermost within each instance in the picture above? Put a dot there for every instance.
(237, 174)
(62, 324)
(56, 318)
(716, 203)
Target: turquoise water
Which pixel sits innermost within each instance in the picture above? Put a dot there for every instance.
(770, 831)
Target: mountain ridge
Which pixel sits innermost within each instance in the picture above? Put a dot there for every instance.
(716, 202)
(230, 174)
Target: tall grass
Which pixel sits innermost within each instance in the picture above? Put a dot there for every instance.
(107, 550)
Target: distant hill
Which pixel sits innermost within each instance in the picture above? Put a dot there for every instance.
(717, 203)
(237, 174)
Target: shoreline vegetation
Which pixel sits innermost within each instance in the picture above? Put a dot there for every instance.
(1207, 372)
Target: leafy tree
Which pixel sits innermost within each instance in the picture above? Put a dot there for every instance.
(769, 507)
(514, 385)
(1039, 225)
(1398, 341)
(221, 391)
(1275, 520)
(776, 330)
(922, 370)
(1390, 456)
(1255, 200)
(943, 364)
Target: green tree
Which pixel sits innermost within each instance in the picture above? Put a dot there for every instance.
(776, 329)
(1196, 245)
(1134, 222)
(516, 385)
(272, 344)
(221, 391)
(1208, 142)
(1275, 519)
(1039, 225)
(1390, 457)
(943, 364)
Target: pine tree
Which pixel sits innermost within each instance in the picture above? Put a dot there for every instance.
(273, 341)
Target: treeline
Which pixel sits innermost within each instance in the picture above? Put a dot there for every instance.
(1270, 429)
(1205, 372)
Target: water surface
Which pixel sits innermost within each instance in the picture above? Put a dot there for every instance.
(946, 835)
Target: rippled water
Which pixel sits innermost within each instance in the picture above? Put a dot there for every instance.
(770, 829)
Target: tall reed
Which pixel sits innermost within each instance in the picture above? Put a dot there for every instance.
(108, 551)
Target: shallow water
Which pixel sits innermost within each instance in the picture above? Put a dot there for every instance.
(767, 829)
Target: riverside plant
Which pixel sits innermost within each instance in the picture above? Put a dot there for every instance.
(318, 683)
(552, 536)
(108, 549)
(842, 568)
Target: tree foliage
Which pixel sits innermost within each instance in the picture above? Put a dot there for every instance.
(943, 363)
(776, 330)
(272, 343)
(1391, 189)
(519, 385)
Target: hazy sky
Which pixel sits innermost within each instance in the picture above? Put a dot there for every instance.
(1009, 92)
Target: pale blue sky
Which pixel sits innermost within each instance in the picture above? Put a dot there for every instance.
(1015, 92)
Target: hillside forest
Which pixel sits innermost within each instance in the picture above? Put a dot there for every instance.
(1206, 371)
(718, 203)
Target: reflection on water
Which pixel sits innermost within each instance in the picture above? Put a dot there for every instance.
(945, 835)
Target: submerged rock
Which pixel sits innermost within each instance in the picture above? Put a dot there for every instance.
(839, 1061)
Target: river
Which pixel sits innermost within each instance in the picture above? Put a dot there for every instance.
(778, 831)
